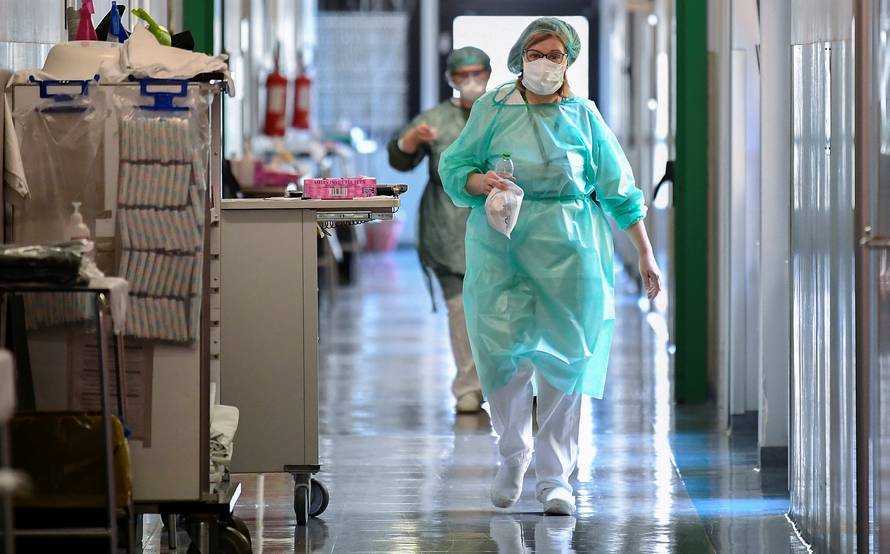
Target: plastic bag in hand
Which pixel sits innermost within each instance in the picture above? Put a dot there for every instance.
(502, 208)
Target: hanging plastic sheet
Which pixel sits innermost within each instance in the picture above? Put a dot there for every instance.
(61, 140)
(164, 146)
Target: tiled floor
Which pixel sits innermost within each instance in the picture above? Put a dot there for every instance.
(406, 475)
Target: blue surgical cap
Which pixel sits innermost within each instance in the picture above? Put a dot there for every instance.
(468, 55)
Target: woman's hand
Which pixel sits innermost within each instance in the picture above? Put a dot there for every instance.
(481, 184)
(650, 275)
(649, 272)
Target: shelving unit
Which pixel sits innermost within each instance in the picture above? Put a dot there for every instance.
(171, 472)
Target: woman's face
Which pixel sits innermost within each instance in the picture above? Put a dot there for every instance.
(546, 46)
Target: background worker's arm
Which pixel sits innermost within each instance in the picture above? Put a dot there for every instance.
(407, 149)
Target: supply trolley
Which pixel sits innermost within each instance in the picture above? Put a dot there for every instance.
(90, 439)
(269, 362)
(143, 159)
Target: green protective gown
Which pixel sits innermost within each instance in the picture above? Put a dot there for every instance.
(546, 295)
(442, 224)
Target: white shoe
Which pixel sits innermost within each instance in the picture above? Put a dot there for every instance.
(558, 502)
(507, 486)
(469, 403)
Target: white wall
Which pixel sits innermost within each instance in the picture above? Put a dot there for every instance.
(736, 244)
(429, 54)
(734, 37)
(775, 297)
(744, 233)
(720, 51)
(29, 28)
(250, 30)
(822, 469)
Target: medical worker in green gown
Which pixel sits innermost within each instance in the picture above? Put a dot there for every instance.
(540, 305)
(442, 224)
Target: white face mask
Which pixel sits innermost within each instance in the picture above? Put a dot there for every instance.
(542, 76)
(471, 89)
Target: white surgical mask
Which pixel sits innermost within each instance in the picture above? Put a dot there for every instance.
(542, 76)
(471, 89)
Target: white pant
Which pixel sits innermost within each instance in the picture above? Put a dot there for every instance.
(466, 380)
(556, 445)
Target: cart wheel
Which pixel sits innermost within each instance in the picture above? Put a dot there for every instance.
(241, 527)
(301, 504)
(320, 498)
(231, 541)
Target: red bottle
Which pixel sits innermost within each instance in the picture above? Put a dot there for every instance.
(302, 92)
(276, 101)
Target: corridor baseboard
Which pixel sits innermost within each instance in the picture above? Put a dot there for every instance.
(774, 457)
(744, 423)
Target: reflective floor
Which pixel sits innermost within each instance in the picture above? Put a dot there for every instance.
(742, 505)
(406, 475)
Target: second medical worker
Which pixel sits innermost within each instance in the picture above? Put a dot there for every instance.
(540, 305)
(442, 224)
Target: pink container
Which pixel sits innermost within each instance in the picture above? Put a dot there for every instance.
(344, 188)
(348, 183)
(355, 187)
(336, 189)
(368, 187)
(310, 188)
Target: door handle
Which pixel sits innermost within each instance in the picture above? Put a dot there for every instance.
(668, 178)
(874, 242)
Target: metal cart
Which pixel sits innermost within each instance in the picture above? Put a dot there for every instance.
(11, 295)
(269, 346)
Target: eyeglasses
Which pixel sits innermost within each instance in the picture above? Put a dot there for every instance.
(461, 75)
(554, 56)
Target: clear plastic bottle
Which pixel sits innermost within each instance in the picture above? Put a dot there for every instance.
(504, 166)
(76, 229)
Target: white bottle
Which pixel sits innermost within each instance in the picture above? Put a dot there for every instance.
(77, 229)
(244, 169)
(504, 166)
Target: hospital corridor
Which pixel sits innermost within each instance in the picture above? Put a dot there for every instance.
(417, 475)
(429, 276)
